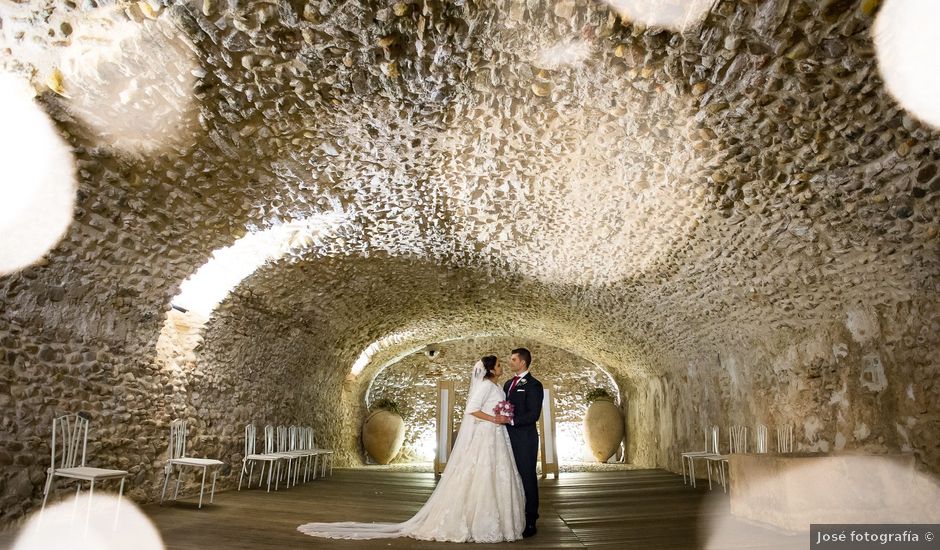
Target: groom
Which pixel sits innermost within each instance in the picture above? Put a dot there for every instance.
(525, 394)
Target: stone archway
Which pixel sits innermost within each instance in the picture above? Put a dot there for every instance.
(411, 380)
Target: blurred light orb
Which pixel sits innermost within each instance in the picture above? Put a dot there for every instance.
(569, 53)
(131, 82)
(907, 46)
(80, 523)
(37, 178)
(676, 15)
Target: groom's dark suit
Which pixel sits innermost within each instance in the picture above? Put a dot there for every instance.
(526, 399)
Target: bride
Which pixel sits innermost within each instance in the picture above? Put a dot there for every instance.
(479, 497)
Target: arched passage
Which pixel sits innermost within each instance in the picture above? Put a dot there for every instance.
(411, 382)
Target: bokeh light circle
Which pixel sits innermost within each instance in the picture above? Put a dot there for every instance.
(907, 47)
(37, 178)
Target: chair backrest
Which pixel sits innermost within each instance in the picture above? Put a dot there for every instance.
(251, 435)
(785, 439)
(177, 447)
(295, 439)
(761, 438)
(283, 439)
(308, 436)
(737, 439)
(270, 443)
(305, 437)
(71, 430)
(714, 440)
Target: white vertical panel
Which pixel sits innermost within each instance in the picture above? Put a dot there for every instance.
(442, 427)
(549, 422)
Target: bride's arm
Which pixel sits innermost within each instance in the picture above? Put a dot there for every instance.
(475, 404)
(483, 416)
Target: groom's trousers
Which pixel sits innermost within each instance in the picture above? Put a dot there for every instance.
(525, 448)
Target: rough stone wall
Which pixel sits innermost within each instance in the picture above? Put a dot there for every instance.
(77, 333)
(412, 383)
(253, 368)
(864, 382)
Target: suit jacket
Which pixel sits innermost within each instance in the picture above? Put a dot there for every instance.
(526, 399)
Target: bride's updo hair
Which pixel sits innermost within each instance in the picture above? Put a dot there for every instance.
(489, 363)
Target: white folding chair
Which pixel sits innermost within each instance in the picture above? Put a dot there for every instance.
(71, 432)
(177, 457)
(285, 453)
(266, 459)
(785, 439)
(737, 443)
(689, 457)
(326, 454)
(298, 449)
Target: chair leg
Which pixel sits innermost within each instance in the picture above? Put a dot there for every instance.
(270, 467)
(708, 466)
(724, 475)
(242, 475)
(179, 476)
(45, 492)
(91, 496)
(117, 513)
(215, 472)
(683, 469)
(166, 479)
(277, 475)
(202, 487)
(78, 492)
(251, 471)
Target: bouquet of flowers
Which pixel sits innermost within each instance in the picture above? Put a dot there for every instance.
(503, 408)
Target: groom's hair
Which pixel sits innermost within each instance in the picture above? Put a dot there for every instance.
(489, 363)
(525, 355)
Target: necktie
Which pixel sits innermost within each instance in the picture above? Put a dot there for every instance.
(515, 380)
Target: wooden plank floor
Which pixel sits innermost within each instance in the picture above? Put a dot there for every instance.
(648, 509)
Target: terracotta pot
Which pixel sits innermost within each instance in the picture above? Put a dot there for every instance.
(383, 433)
(603, 429)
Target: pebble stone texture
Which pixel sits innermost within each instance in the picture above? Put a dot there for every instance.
(412, 383)
(736, 220)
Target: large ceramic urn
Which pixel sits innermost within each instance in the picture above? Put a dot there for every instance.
(603, 429)
(383, 433)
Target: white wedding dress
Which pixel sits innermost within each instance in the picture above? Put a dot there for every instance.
(479, 497)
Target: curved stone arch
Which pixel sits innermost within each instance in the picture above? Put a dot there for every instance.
(291, 258)
(411, 382)
(354, 396)
(416, 348)
(358, 385)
